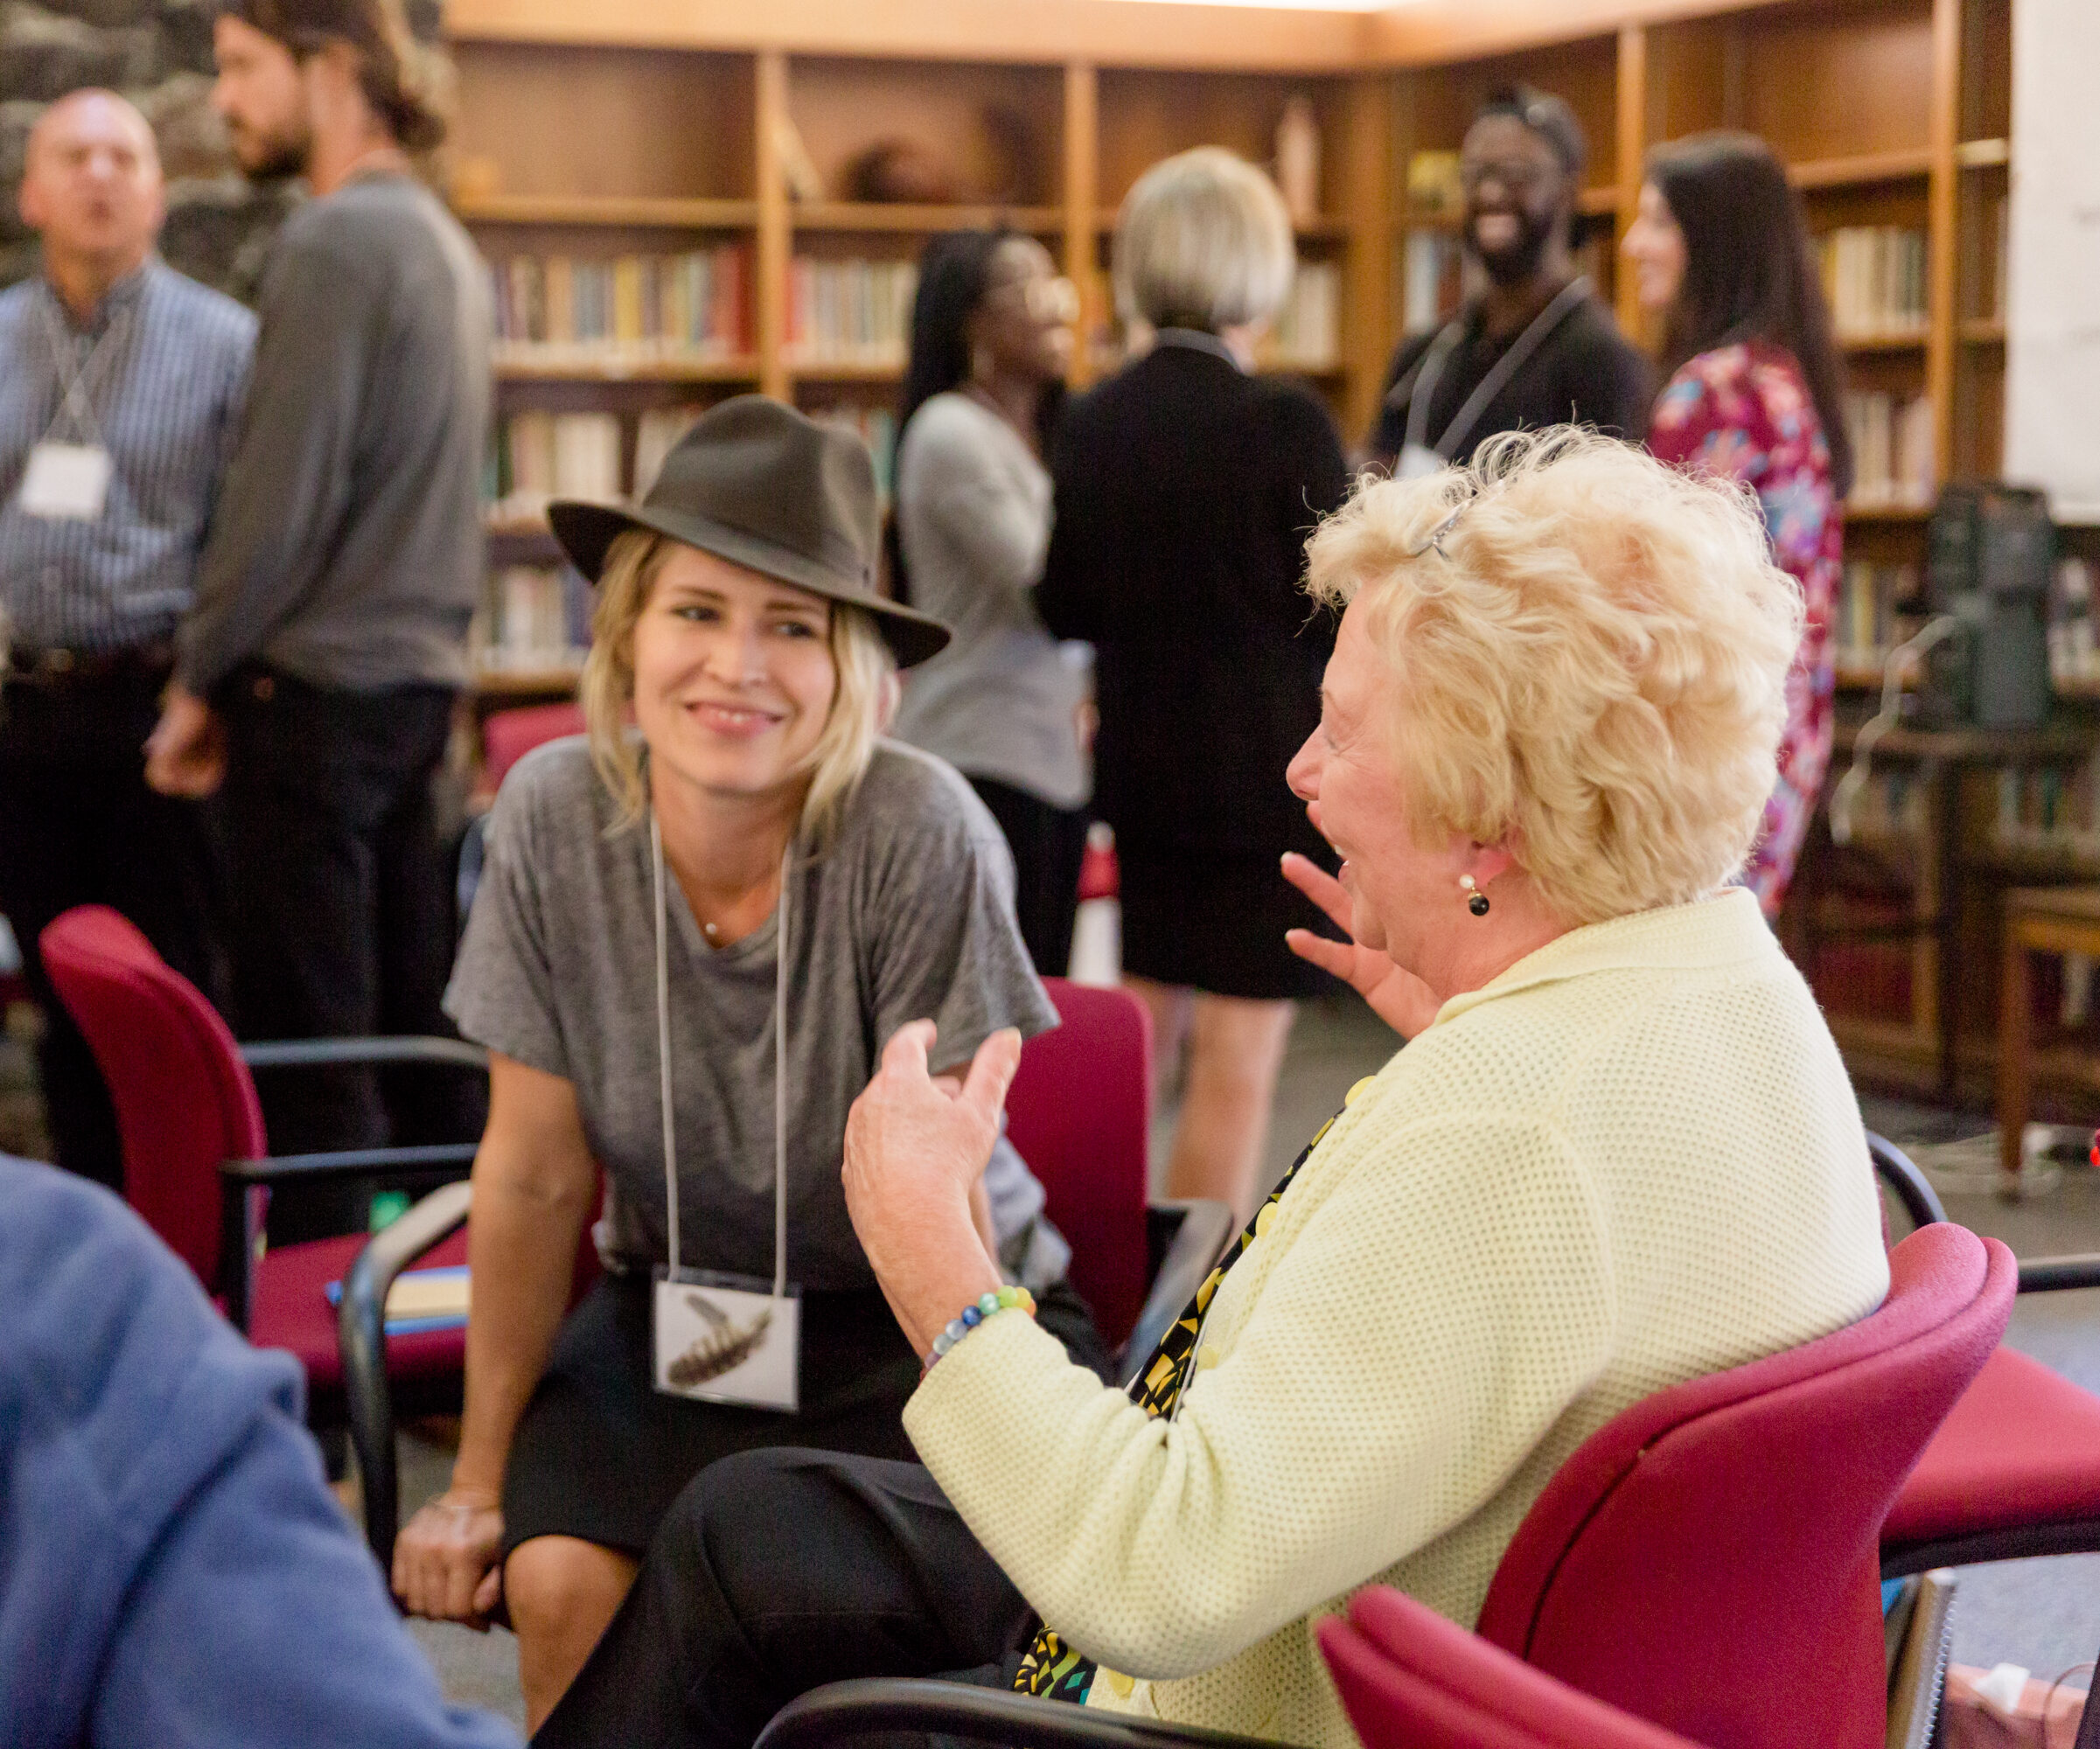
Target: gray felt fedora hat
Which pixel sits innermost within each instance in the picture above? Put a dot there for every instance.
(770, 489)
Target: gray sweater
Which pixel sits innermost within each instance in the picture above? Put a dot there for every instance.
(347, 548)
(973, 517)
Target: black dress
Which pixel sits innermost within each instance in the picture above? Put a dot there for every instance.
(1185, 490)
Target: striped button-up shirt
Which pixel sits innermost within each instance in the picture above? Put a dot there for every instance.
(162, 367)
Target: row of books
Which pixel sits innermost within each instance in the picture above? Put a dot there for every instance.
(1433, 271)
(1892, 450)
(849, 312)
(541, 454)
(532, 618)
(1875, 277)
(1309, 327)
(1891, 804)
(552, 308)
(1875, 610)
(2050, 808)
(2074, 636)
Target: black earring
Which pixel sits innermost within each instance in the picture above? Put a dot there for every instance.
(1477, 901)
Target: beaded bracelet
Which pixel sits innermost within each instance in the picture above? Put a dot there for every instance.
(974, 1315)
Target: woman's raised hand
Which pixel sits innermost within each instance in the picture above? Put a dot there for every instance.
(1398, 998)
(914, 1147)
(447, 1560)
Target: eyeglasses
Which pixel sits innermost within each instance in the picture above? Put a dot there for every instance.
(1518, 176)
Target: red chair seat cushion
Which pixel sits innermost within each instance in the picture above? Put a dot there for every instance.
(2017, 1450)
(292, 1312)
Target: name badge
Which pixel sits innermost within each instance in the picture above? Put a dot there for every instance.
(1417, 462)
(728, 1339)
(66, 481)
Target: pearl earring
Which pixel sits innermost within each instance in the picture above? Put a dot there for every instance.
(1477, 901)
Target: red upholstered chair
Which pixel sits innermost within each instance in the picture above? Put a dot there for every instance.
(196, 1159)
(1708, 1561)
(2015, 1470)
(1408, 1676)
(1080, 1114)
(508, 735)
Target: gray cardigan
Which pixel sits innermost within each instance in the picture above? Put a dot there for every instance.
(973, 519)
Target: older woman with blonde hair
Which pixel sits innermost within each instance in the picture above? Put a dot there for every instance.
(689, 942)
(1185, 488)
(1619, 1150)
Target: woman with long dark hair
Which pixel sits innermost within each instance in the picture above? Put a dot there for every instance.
(991, 338)
(1757, 392)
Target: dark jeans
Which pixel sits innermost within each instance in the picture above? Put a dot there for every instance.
(778, 1570)
(339, 906)
(78, 826)
(1047, 844)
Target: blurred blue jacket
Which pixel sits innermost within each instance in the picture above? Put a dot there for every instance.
(173, 1570)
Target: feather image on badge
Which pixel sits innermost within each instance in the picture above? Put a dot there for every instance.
(727, 1344)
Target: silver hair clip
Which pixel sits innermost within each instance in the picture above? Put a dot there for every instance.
(1436, 534)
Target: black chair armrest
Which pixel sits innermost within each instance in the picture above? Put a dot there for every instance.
(241, 1202)
(310, 1053)
(1921, 1203)
(2046, 1275)
(1899, 1172)
(438, 1158)
(361, 1333)
(1187, 1238)
(845, 1712)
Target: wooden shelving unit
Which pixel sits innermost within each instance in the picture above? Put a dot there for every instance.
(657, 126)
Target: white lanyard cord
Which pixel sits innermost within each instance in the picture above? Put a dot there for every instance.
(78, 402)
(663, 1059)
(1535, 335)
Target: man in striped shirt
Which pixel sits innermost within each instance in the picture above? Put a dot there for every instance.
(121, 384)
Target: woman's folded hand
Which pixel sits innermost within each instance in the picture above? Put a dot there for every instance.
(447, 1560)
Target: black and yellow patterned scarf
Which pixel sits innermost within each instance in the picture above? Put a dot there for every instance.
(1052, 1667)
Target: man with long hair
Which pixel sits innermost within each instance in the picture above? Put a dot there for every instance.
(316, 676)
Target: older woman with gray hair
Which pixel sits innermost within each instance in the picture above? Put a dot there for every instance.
(1547, 732)
(1185, 487)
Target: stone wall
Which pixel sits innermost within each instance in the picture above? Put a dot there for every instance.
(158, 53)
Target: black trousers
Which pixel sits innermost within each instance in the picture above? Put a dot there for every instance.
(1048, 845)
(339, 902)
(775, 1573)
(78, 826)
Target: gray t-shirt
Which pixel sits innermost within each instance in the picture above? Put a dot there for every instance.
(973, 519)
(907, 915)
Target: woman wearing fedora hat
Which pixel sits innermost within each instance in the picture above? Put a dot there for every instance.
(688, 946)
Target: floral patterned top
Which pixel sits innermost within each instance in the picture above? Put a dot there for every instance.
(1744, 412)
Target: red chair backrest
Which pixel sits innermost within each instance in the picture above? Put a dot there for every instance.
(1080, 1114)
(508, 735)
(1409, 1677)
(185, 1100)
(1709, 1560)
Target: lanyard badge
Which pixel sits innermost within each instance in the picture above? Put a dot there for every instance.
(720, 1338)
(67, 480)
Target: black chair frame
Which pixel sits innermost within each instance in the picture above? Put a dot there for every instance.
(1184, 1239)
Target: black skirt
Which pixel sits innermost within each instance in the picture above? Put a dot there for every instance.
(1214, 921)
(600, 1454)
